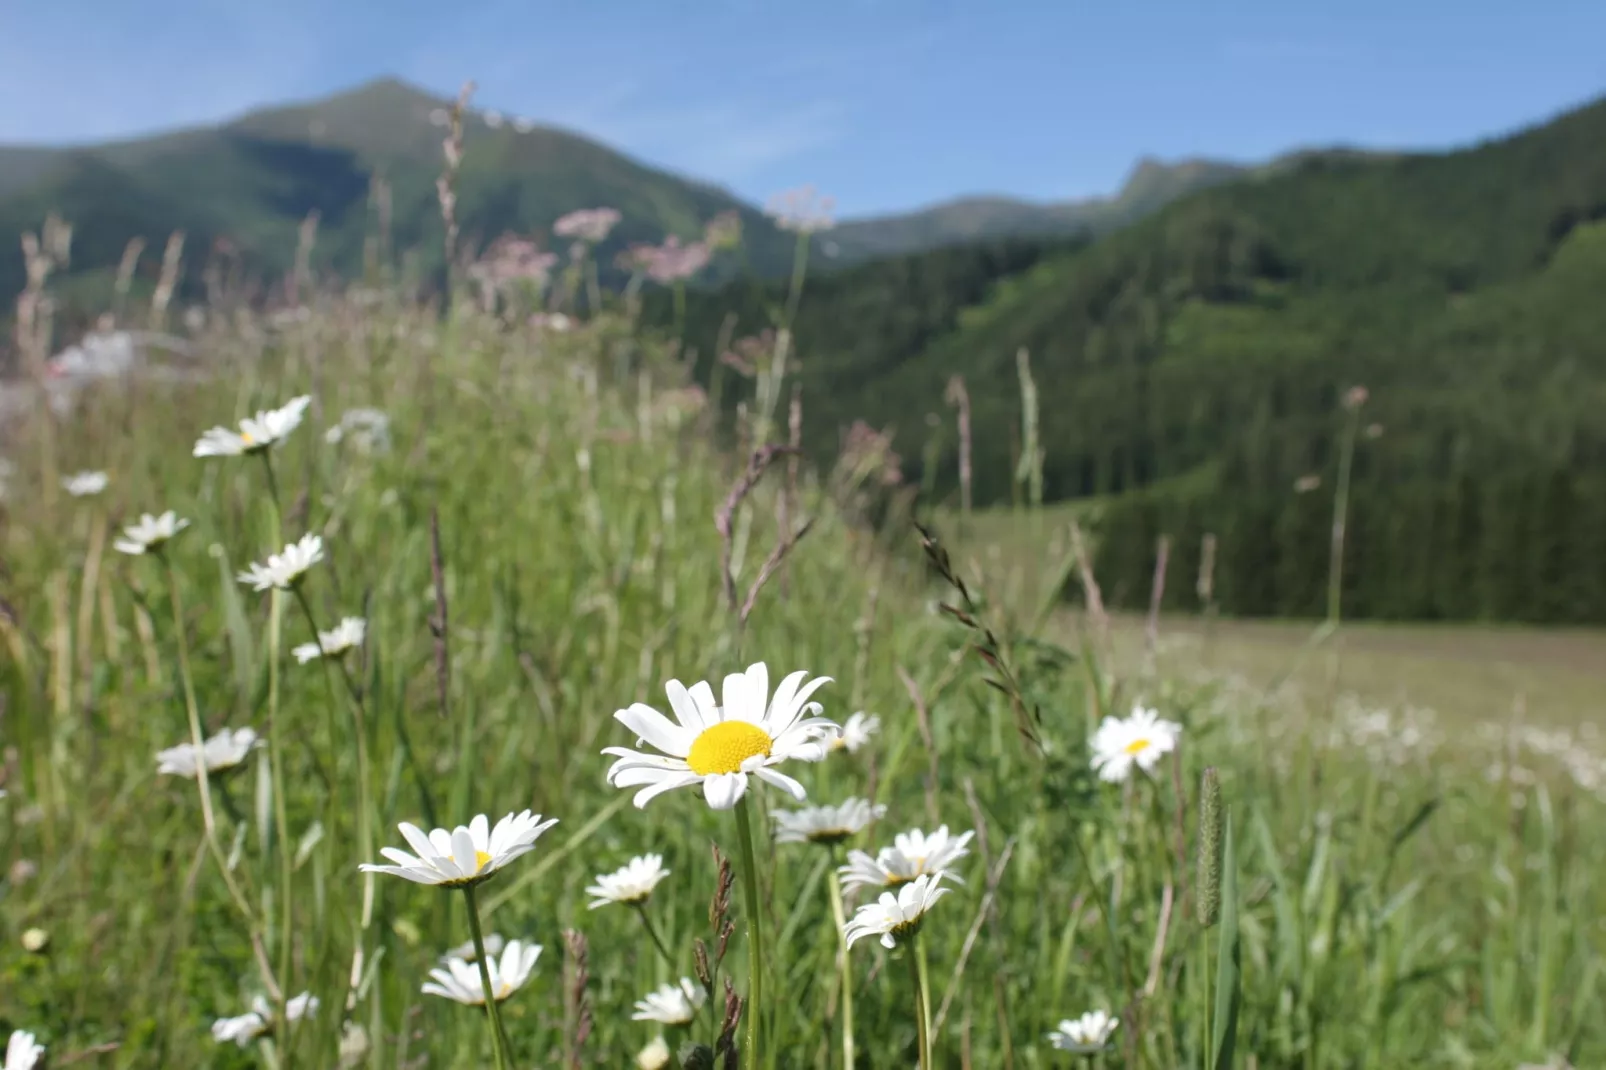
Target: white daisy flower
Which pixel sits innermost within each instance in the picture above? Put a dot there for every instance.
(894, 916)
(85, 484)
(825, 824)
(913, 854)
(368, 429)
(1122, 742)
(244, 1028)
(23, 1052)
(465, 952)
(459, 980)
(150, 534)
(465, 855)
(347, 635)
(672, 1004)
(285, 569)
(631, 885)
(1087, 1035)
(264, 430)
(720, 746)
(223, 751)
(856, 732)
(655, 1056)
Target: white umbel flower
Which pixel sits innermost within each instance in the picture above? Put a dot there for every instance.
(896, 915)
(1087, 1035)
(458, 980)
(244, 1028)
(913, 854)
(631, 885)
(264, 430)
(285, 569)
(465, 855)
(223, 751)
(655, 1056)
(85, 484)
(150, 534)
(673, 1004)
(825, 824)
(857, 731)
(1140, 740)
(465, 952)
(720, 746)
(23, 1052)
(347, 635)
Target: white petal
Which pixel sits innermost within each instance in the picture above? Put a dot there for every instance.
(668, 783)
(724, 790)
(656, 729)
(782, 781)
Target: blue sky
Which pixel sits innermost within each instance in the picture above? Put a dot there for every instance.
(887, 104)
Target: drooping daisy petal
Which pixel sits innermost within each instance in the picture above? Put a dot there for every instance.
(465, 855)
(632, 884)
(721, 746)
(895, 916)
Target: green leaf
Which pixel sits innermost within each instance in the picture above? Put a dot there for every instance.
(1229, 966)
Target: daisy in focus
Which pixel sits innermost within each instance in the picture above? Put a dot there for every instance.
(720, 746)
(285, 569)
(631, 885)
(912, 855)
(1087, 1035)
(257, 433)
(85, 484)
(1140, 740)
(896, 916)
(223, 751)
(465, 855)
(459, 980)
(465, 952)
(856, 732)
(825, 825)
(244, 1028)
(347, 635)
(150, 534)
(672, 1004)
(23, 1052)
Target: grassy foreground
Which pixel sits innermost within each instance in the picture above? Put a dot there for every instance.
(1403, 896)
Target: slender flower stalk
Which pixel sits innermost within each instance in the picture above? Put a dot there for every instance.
(755, 937)
(917, 965)
(499, 1042)
(839, 918)
(652, 933)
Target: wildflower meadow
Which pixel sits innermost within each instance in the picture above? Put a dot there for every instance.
(451, 682)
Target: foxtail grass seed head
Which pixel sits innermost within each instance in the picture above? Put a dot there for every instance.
(632, 884)
(285, 569)
(223, 751)
(671, 1004)
(913, 855)
(465, 855)
(1207, 902)
(856, 732)
(1140, 741)
(1087, 1035)
(23, 1052)
(718, 746)
(825, 825)
(346, 636)
(150, 534)
(655, 1056)
(263, 431)
(896, 916)
(459, 981)
(85, 484)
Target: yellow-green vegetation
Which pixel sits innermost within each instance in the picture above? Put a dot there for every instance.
(1389, 895)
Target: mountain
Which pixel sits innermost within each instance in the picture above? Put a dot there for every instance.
(1151, 185)
(254, 179)
(1190, 369)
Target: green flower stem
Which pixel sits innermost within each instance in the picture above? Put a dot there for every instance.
(839, 916)
(755, 937)
(652, 931)
(917, 967)
(493, 1012)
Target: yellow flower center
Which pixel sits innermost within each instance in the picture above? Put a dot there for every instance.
(723, 747)
(245, 437)
(480, 858)
(1138, 746)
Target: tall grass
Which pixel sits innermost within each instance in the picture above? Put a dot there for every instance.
(1385, 903)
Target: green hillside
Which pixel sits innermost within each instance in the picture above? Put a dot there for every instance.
(254, 179)
(1191, 366)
